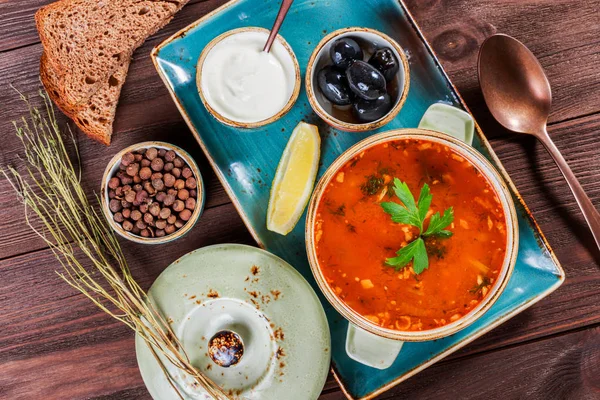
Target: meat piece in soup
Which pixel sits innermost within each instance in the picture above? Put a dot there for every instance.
(354, 236)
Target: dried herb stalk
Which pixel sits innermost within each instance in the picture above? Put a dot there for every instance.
(84, 243)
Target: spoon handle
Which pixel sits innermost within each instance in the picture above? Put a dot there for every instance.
(285, 6)
(587, 207)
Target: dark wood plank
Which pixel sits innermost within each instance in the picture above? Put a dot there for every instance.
(563, 367)
(564, 37)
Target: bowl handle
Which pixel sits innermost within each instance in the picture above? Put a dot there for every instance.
(369, 349)
(451, 120)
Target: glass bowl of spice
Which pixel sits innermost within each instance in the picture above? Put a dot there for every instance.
(152, 192)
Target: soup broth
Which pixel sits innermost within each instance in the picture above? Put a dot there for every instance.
(354, 236)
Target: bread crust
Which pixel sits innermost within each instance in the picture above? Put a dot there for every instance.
(91, 101)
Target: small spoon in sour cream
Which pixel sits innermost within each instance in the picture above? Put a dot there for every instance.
(285, 6)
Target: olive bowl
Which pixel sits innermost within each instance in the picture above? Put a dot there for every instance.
(113, 167)
(370, 40)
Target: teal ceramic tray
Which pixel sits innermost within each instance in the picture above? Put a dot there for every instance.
(245, 160)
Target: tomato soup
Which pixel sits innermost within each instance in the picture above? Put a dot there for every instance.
(354, 236)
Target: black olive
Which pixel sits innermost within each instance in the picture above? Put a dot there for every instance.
(334, 86)
(365, 80)
(369, 111)
(344, 52)
(386, 62)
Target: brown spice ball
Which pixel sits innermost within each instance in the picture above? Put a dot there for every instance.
(190, 203)
(118, 217)
(168, 167)
(183, 194)
(132, 169)
(178, 162)
(138, 157)
(176, 172)
(151, 153)
(130, 196)
(169, 200)
(145, 162)
(141, 196)
(185, 215)
(193, 193)
(160, 196)
(157, 164)
(111, 194)
(119, 192)
(140, 224)
(137, 187)
(114, 182)
(179, 184)
(172, 218)
(145, 233)
(127, 159)
(144, 208)
(125, 204)
(164, 213)
(178, 206)
(154, 209)
(157, 175)
(172, 191)
(145, 173)
(115, 205)
(186, 172)
(148, 218)
(126, 213)
(190, 183)
(126, 189)
(170, 156)
(149, 188)
(127, 225)
(160, 224)
(137, 179)
(158, 184)
(162, 152)
(179, 223)
(169, 180)
(136, 215)
(125, 179)
(170, 229)
(136, 230)
(159, 233)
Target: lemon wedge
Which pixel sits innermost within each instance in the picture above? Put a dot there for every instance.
(294, 179)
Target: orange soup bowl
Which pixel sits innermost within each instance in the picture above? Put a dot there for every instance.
(351, 240)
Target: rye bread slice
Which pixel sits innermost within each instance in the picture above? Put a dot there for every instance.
(86, 41)
(97, 116)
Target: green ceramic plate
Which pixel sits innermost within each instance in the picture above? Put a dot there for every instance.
(253, 293)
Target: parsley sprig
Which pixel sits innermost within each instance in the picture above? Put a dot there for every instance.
(414, 213)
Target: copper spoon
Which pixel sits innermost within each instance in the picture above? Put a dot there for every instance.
(517, 92)
(285, 6)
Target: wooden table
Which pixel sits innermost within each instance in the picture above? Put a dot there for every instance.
(54, 344)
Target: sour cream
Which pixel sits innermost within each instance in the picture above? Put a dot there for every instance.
(243, 83)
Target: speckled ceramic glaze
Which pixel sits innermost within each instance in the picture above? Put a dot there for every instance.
(245, 162)
(252, 293)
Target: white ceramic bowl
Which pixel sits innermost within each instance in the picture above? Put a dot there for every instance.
(113, 167)
(291, 66)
